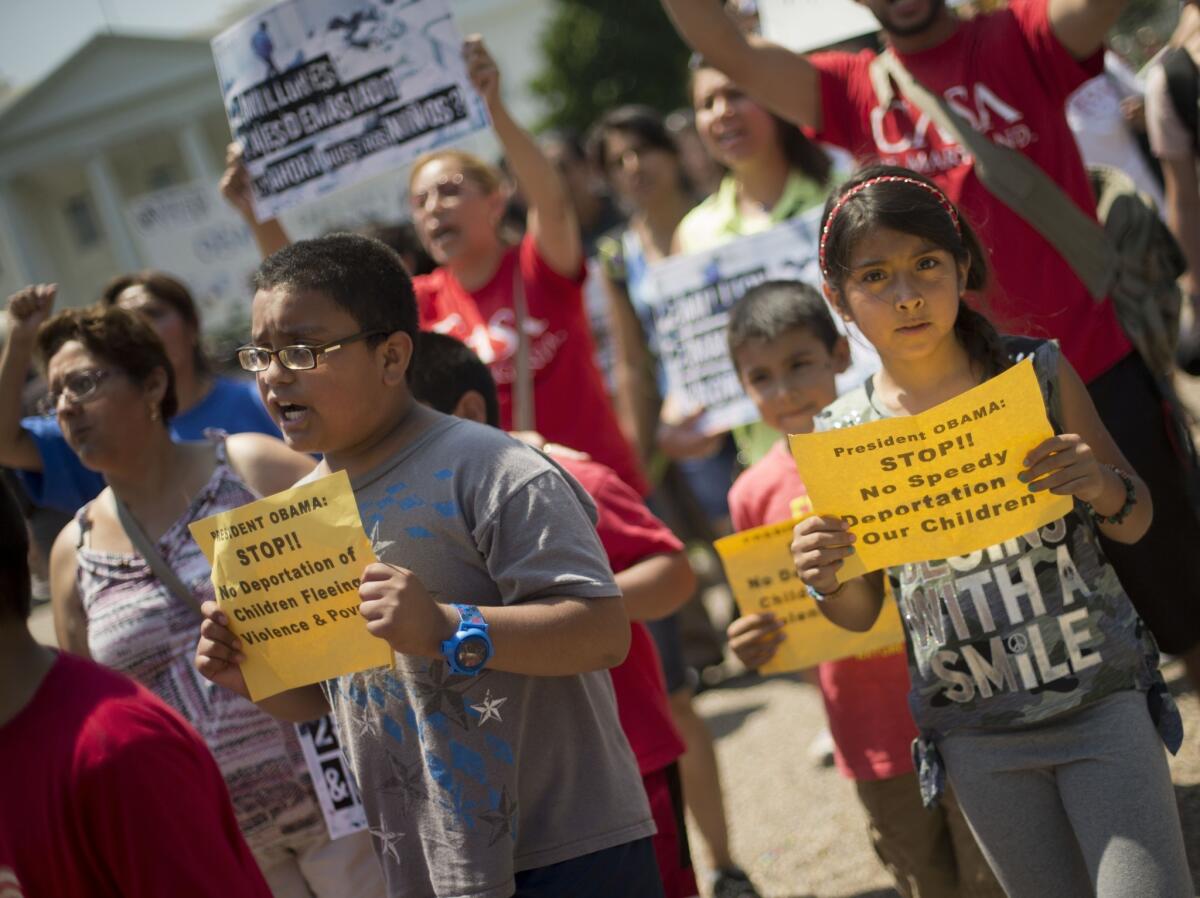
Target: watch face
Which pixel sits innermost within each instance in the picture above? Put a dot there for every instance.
(472, 653)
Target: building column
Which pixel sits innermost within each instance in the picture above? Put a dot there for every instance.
(112, 212)
(20, 236)
(197, 155)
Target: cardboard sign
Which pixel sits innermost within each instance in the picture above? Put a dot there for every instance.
(322, 93)
(690, 298)
(758, 565)
(341, 804)
(189, 231)
(286, 572)
(935, 485)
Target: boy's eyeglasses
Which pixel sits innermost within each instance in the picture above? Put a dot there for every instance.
(78, 386)
(296, 358)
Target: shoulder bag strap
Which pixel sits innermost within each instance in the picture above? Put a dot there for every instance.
(158, 564)
(1014, 179)
(1183, 89)
(524, 417)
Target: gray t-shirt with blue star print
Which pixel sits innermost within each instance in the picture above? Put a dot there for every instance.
(467, 780)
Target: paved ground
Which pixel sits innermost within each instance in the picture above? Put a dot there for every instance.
(799, 830)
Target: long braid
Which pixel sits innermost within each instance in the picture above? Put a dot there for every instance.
(981, 340)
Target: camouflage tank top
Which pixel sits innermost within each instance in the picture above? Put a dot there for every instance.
(1019, 632)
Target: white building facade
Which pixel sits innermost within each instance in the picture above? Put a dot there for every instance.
(129, 116)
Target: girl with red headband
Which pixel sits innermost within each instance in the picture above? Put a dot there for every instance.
(1035, 685)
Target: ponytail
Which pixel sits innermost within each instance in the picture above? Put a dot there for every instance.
(981, 340)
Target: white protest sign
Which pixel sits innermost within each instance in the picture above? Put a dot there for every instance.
(337, 793)
(804, 25)
(191, 233)
(690, 298)
(323, 93)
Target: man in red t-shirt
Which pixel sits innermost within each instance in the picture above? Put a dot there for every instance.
(651, 569)
(106, 792)
(1009, 74)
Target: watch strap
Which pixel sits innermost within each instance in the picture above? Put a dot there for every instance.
(470, 615)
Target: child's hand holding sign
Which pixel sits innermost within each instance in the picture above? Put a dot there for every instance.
(820, 546)
(400, 611)
(755, 638)
(219, 656)
(1066, 466)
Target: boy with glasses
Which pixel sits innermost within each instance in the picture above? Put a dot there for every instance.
(490, 760)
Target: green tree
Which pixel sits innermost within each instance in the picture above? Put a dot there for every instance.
(598, 54)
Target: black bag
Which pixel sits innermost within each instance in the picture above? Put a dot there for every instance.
(1183, 86)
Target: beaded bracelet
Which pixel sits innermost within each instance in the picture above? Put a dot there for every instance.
(1130, 500)
(819, 596)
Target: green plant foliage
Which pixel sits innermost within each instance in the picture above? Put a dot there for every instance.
(598, 54)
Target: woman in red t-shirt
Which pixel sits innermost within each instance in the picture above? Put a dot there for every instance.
(483, 281)
(458, 201)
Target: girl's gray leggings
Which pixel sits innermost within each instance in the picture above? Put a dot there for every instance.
(1075, 807)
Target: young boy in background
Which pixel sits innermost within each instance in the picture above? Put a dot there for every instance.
(490, 764)
(652, 571)
(787, 351)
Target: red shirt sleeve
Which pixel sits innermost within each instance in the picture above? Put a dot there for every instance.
(541, 277)
(741, 511)
(841, 79)
(427, 288)
(628, 530)
(157, 809)
(1061, 72)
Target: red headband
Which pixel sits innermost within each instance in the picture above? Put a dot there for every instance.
(882, 179)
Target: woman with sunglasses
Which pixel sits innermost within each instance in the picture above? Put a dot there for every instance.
(113, 390)
(34, 447)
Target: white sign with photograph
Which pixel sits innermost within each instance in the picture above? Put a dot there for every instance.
(192, 234)
(691, 297)
(324, 93)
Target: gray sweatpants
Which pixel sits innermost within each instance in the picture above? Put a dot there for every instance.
(1075, 807)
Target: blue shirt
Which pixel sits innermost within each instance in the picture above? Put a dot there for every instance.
(64, 483)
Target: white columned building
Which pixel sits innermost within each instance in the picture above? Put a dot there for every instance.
(129, 115)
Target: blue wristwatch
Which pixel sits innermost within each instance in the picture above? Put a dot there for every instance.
(468, 650)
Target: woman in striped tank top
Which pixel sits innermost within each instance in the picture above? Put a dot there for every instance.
(113, 393)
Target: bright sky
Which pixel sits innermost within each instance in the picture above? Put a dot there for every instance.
(37, 35)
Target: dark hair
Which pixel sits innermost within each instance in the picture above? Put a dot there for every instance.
(801, 153)
(446, 369)
(772, 308)
(16, 593)
(166, 289)
(642, 122)
(569, 139)
(361, 275)
(913, 209)
(402, 237)
(121, 338)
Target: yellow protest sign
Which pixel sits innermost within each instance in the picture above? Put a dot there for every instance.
(286, 572)
(758, 565)
(935, 485)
